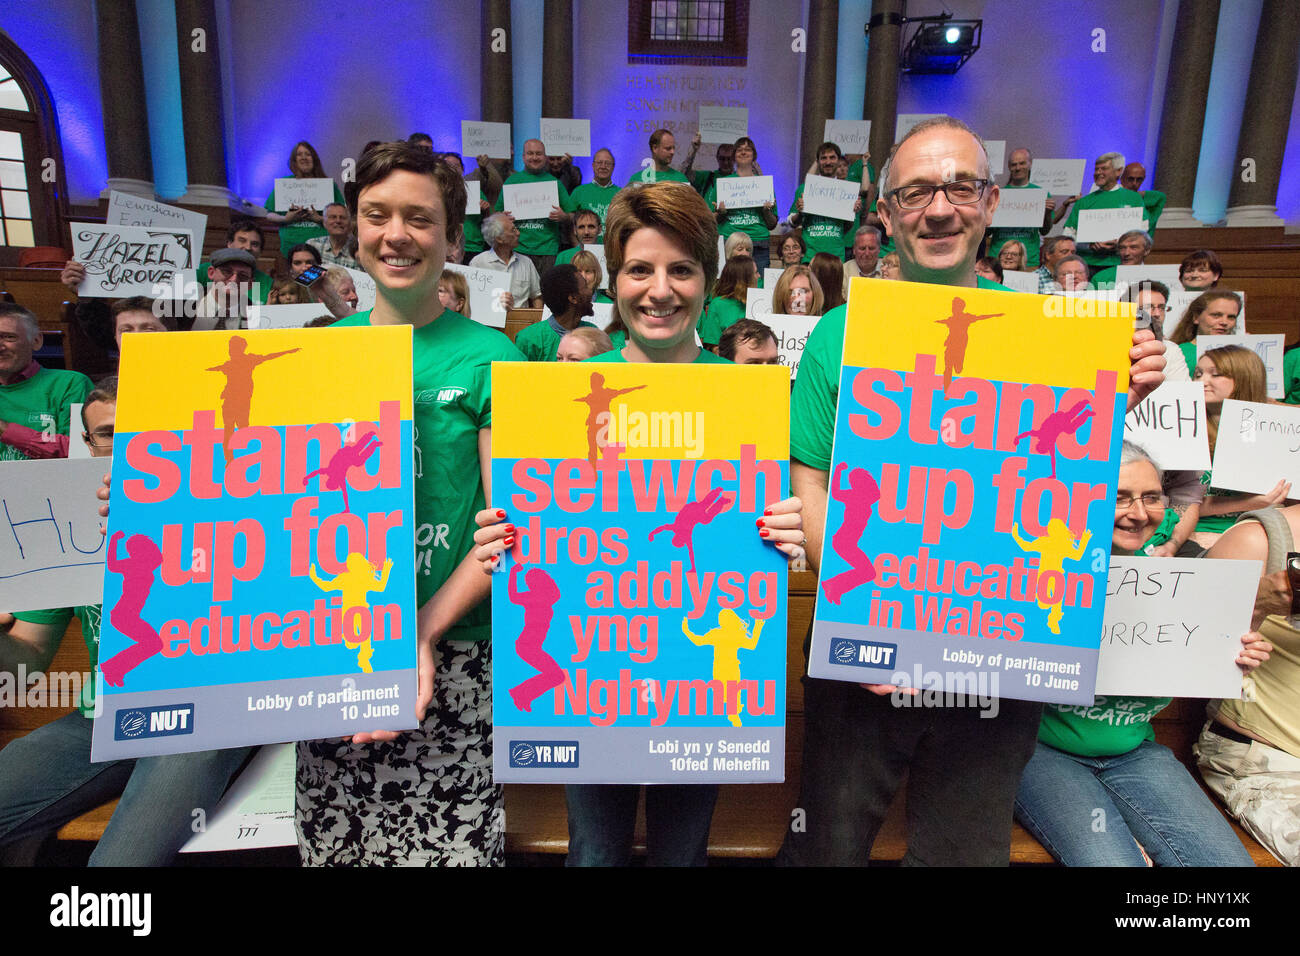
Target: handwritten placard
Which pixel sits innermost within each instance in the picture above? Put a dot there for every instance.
(51, 551)
(1165, 272)
(1268, 347)
(1257, 446)
(792, 333)
(1173, 626)
(1020, 208)
(1105, 225)
(125, 209)
(743, 192)
(1020, 281)
(123, 261)
(473, 198)
(305, 193)
(905, 121)
(365, 286)
(853, 137)
(531, 200)
(487, 288)
(478, 138)
(997, 150)
(291, 316)
(835, 198)
(1060, 177)
(1169, 424)
(758, 303)
(560, 136)
(723, 124)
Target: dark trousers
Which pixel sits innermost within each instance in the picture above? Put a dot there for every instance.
(602, 818)
(963, 771)
(543, 264)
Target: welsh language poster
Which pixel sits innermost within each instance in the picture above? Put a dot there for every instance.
(639, 621)
(260, 580)
(971, 498)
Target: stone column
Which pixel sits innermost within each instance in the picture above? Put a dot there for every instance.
(201, 104)
(496, 104)
(557, 58)
(121, 87)
(818, 77)
(1182, 119)
(1265, 117)
(880, 101)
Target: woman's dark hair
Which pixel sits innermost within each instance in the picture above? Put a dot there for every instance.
(736, 278)
(829, 271)
(387, 158)
(317, 170)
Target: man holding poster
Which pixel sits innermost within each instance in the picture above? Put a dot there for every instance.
(937, 200)
(539, 239)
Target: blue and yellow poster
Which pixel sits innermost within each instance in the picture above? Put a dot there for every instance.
(260, 581)
(971, 498)
(639, 621)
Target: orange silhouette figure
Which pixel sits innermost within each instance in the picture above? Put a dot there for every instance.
(597, 402)
(237, 396)
(954, 348)
(1055, 425)
(353, 455)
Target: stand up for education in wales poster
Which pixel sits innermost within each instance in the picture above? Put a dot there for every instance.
(972, 488)
(639, 622)
(260, 582)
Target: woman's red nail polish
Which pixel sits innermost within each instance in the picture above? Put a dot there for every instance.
(767, 511)
(510, 528)
(763, 533)
(759, 523)
(500, 513)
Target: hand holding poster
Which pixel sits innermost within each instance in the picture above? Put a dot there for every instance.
(1020, 208)
(723, 124)
(853, 137)
(123, 261)
(1267, 347)
(1169, 424)
(531, 200)
(261, 548)
(823, 196)
(124, 209)
(1256, 447)
(572, 136)
(486, 290)
(638, 624)
(478, 138)
(792, 333)
(304, 193)
(1173, 626)
(1060, 177)
(971, 494)
(743, 192)
(1106, 225)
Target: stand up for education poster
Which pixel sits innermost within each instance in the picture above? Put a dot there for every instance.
(971, 499)
(260, 580)
(639, 622)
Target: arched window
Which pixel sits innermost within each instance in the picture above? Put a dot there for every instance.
(32, 199)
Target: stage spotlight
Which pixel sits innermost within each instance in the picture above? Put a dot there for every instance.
(941, 45)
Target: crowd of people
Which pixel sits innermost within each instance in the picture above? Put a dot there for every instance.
(427, 796)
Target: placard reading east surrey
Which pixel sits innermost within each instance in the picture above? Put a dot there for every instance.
(1169, 424)
(560, 136)
(125, 209)
(306, 193)
(123, 261)
(971, 494)
(723, 124)
(1173, 626)
(823, 196)
(1267, 346)
(1020, 208)
(638, 624)
(1257, 446)
(853, 137)
(260, 581)
(51, 551)
(478, 138)
(1060, 177)
(743, 192)
(531, 200)
(792, 333)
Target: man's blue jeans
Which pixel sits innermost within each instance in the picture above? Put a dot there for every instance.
(602, 818)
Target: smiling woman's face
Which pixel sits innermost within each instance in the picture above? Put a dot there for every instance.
(660, 290)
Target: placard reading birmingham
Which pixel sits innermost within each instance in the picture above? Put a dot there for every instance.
(260, 580)
(639, 623)
(971, 493)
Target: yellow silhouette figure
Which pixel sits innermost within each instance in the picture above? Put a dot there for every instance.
(353, 585)
(730, 636)
(1052, 550)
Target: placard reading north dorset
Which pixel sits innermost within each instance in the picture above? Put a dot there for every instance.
(638, 624)
(260, 580)
(971, 493)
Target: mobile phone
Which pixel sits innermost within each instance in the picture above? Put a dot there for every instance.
(1293, 578)
(1143, 319)
(309, 275)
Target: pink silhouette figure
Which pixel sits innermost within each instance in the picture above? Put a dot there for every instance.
(237, 395)
(954, 348)
(350, 456)
(693, 513)
(597, 402)
(1055, 425)
(137, 572)
(858, 498)
(538, 603)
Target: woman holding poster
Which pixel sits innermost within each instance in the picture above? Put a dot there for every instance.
(300, 223)
(757, 222)
(1099, 791)
(662, 253)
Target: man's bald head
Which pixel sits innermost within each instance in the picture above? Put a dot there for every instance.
(1133, 176)
(534, 155)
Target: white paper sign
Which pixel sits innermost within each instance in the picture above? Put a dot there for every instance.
(313, 193)
(1257, 446)
(602, 313)
(365, 289)
(792, 333)
(257, 810)
(722, 254)
(531, 200)
(758, 304)
(599, 252)
(771, 277)
(473, 198)
(51, 551)
(1178, 302)
(723, 124)
(853, 137)
(1166, 273)
(1020, 281)
(293, 316)
(1267, 347)
(1173, 627)
(1020, 208)
(906, 121)
(478, 138)
(997, 149)
(486, 290)
(1169, 424)
(560, 136)
(744, 192)
(1060, 177)
(123, 261)
(835, 198)
(1105, 225)
(125, 209)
